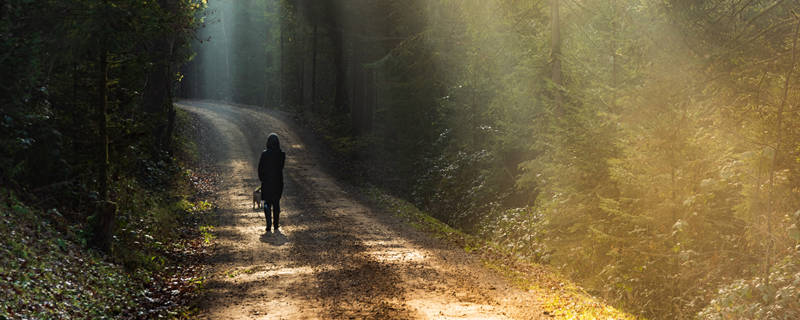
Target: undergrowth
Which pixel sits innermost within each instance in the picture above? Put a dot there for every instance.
(499, 244)
(47, 274)
(153, 270)
(560, 297)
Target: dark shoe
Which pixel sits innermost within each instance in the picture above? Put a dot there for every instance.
(268, 227)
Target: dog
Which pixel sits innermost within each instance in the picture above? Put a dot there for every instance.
(257, 199)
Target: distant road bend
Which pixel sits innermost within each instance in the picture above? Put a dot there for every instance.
(335, 258)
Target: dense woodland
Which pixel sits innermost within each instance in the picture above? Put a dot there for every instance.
(648, 149)
(98, 215)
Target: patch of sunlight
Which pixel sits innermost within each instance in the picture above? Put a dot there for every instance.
(566, 302)
(438, 308)
(267, 271)
(298, 146)
(392, 252)
(293, 229)
(290, 271)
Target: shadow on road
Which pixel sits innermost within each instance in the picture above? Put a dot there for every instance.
(276, 239)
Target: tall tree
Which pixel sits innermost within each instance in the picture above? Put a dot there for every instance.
(105, 210)
(555, 54)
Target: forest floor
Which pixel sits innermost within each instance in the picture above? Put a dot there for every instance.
(335, 257)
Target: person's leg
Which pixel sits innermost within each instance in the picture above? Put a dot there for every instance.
(276, 211)
(267, 215)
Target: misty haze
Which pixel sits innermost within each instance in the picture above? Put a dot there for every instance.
(419, 159)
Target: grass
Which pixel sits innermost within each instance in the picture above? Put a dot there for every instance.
(560, 298)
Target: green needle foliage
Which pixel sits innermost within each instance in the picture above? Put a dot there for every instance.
(86, 153)
(650, 150)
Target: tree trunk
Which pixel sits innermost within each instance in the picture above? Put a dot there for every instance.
(358, 97)
(299, 56)
(102, 222)
(314, 67)
(776, 155)
(340, 98)
(301, 75)
(555, 55)
(281, 75)
(614, 80)
(268, 61)
(158, 91)
(166, 141)
(369, 107)
(104, 215)
(156, 97)
(102, 122)
(74, 86)
(226, 96)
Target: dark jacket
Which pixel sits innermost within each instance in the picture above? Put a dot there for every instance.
(270, 169)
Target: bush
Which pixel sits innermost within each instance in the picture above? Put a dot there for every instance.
(778, 298)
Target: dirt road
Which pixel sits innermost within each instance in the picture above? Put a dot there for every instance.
(335, 257)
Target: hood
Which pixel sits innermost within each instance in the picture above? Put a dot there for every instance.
(273, 143)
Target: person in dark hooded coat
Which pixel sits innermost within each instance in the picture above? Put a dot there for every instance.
(270, 172)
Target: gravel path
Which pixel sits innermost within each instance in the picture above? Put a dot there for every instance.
(335, 257)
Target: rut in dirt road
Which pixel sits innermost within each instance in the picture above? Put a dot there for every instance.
(334, 258)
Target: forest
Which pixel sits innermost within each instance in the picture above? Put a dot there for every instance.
(647, 150)
(98, 215)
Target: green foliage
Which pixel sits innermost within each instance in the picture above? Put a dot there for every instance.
(46, 276)
(664, 164)
(46, 272)
(48, 269)
(48, 155)
(155, 214)
(754, 298)
(559, 296)
(48, 120)
(519, 231)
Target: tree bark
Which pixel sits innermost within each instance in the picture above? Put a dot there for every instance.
(226, 96)
(104, 215)
(102, 121)
(301, 75)
(268, 61)
(555, 54)
(299, 55)
(369, 107)
(314, 67)
(776, 155)
(340, 98)
(102, 222)
(613, 41)
(157, 93)
(282, 61)
(357, 98)
(157, 97)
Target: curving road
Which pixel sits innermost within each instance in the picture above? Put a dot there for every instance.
(335, 258)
